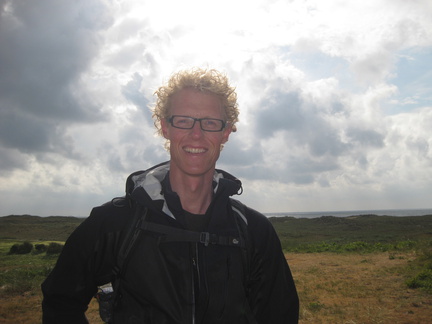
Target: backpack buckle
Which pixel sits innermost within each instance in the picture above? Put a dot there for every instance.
(205, 238)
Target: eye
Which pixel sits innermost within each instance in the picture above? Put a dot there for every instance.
(211, 123)
(182, 121)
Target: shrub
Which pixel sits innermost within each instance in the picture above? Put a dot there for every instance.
(422, 280)
(54, 248)
(40, 248)
(423, 265)
(356, 246)
(22, 248)
(405, 245)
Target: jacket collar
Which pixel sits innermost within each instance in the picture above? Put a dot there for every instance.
(146, 187)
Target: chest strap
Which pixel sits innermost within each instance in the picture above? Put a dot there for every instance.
(173, 234)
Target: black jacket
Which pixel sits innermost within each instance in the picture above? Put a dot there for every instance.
(173, 282)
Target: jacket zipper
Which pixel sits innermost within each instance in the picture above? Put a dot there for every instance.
(195, 269)
(193, 289)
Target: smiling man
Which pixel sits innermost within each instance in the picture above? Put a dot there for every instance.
(177, 248)
(196, 130)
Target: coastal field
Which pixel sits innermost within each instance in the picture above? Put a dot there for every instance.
(359, 269)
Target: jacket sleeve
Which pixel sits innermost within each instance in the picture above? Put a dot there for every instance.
(84, 263)
(272, 293)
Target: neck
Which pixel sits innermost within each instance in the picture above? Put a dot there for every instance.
(195, 193)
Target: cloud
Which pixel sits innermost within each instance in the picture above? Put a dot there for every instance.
(44, 51)
(334, 98)
(10, 160)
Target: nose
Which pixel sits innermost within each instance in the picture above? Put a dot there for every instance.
(196, 130)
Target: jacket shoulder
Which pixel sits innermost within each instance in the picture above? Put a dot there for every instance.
(259, 227)
(253, 217)
(112, 216)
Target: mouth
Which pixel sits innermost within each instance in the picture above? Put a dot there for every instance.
(194, 150)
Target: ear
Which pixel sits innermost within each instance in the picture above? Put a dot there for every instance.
(165, 128)
(226, 133)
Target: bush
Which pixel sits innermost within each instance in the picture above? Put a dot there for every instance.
(40, 248)
(423, 266)
(23, 248)
(54, 248)
(422, 280)
(356, 246)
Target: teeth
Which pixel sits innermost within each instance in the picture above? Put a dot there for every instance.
(194, 150)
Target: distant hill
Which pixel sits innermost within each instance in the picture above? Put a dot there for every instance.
(34, 228)
(368, 228)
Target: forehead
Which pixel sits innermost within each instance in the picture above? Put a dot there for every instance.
(196, 103)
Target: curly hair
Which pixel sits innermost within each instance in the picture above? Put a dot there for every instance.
(205, 80)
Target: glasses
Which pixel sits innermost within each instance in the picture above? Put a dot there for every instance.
(206, 124)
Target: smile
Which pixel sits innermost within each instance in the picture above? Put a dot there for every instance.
(194, 150)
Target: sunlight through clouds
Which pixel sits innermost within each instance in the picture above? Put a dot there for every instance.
(335, 98)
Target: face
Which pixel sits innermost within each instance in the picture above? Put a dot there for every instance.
(194, 152)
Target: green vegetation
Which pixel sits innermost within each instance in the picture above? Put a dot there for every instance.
(363, 233)
(23, 273)
(34, 228)
(22, 248)
(421, 268)
(54, 248)
(421, 280)
(29, 247)
(357, 246)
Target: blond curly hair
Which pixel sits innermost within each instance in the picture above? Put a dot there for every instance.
(205, 80)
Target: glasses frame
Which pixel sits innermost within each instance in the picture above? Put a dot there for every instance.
(171, 121)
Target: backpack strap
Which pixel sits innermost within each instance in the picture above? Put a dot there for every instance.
(108, 297)
(173, 234)
(130, 239)
(241, 221)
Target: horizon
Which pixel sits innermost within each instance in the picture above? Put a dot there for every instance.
(342, 213)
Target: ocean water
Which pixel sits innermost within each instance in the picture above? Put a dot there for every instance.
(380, 212)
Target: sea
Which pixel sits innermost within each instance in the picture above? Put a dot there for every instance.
(378, 212)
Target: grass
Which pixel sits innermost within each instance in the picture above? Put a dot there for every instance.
(20, 279)
(357, 288)
(363, 269)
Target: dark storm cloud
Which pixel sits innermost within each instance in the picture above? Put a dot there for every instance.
(45, 46)
(310, 144)
(21, 131)
(304, 123)
(235, 153)
(279, 111)
(10, 160)
(322, 139)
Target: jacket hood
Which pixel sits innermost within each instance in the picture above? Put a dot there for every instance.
(147, 185)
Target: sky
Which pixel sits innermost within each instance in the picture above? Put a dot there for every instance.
(335, 99)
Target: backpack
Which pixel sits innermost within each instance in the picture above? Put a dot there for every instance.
(107, 294)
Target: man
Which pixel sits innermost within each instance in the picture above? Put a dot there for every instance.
(234, 273)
